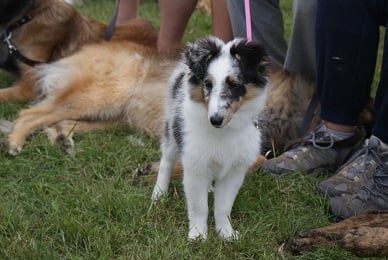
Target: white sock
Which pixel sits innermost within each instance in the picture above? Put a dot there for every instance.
(338, 135)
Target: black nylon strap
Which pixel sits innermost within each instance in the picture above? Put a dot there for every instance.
(112, 24)
(24, 59)
(309, 114)
(13, 51)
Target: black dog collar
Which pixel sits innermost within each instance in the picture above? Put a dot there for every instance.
(6, 37)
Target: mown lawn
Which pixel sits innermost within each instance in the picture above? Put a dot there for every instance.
(89, 207)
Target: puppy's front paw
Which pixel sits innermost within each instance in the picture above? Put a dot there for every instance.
(157, 194)
(196, 234)
(229, 235)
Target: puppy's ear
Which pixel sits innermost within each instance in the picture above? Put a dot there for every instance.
(252, 59)
(199, 54)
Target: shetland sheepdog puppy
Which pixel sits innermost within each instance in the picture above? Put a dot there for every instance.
(211, 102)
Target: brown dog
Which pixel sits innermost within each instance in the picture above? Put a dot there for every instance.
(47, 30)
(364, 235)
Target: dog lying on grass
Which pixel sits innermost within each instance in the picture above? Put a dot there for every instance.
(43, 31)
(364, 235)
(103, 84)
(212, 99)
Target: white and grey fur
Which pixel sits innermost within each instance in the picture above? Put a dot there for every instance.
(212, 99)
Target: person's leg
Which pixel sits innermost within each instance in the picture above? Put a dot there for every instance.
(362, 183)
(300, 57)
(128, 9)
(347, 44)
(174, 17)
(221, 26)
(267, 25)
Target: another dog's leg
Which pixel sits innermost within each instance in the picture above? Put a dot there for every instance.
(169, 154)
(21, 91)
(346, 232)
(196, 183)
(226, 190)
(63, 131)
(366, 241)
(30, 120)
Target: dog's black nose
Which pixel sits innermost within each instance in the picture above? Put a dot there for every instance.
(216, 120)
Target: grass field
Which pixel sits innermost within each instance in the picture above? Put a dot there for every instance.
(89, 207)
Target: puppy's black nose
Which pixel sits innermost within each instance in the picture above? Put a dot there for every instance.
(216, 120)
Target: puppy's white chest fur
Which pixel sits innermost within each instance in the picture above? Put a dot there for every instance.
(220, 148)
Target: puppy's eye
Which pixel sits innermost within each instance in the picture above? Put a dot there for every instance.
(208, 84)
(234, 85)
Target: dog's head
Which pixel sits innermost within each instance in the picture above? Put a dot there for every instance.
(226, 77)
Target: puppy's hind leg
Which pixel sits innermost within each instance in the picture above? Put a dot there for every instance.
(169, 156)
(226, 190)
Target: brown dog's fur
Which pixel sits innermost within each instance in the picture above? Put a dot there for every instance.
(287, 100)
(364, 235)
(56, 31)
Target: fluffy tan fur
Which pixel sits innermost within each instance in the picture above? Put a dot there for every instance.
(287, 100)
(56, 31)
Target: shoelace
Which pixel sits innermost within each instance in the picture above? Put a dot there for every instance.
(381, 174)
(370, 151)
(380, 178)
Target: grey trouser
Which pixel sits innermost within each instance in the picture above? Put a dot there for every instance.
(267, 27)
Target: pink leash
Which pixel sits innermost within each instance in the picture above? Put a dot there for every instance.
(248, 24)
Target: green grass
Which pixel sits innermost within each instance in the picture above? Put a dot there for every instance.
(89, 207)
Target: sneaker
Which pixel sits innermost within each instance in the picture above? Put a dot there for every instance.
(372, 196)
(319, 149)
(355, 173)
